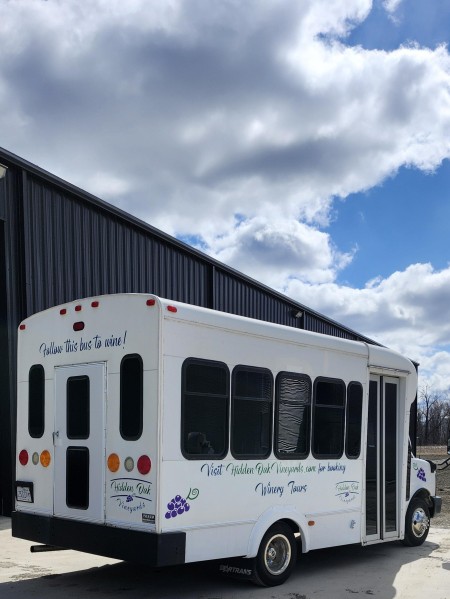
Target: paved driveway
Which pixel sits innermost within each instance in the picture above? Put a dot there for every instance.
(384, 571)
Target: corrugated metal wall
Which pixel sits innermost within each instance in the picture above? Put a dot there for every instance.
(74, 249)
(61, 244)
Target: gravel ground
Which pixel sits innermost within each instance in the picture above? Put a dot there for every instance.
(439, 455)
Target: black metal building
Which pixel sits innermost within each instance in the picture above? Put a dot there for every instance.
(59, 243)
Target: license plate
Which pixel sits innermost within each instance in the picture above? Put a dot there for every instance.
(24, 492)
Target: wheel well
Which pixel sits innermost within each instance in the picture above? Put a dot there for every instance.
(425, 495)
(295, 529)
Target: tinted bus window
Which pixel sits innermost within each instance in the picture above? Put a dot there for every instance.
(78, 407)
(292, 415)
(354, 417)
(36, 401)
(204, 409)
(328, 418)
(131, 397)
(251, 418)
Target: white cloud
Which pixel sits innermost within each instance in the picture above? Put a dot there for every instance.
(240, 105)
(408, 311)
(237, 123)
(391, 6)
(278, 250)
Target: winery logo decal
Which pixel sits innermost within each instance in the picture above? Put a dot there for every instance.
(347, 490)
(421, 475)
(132, 494)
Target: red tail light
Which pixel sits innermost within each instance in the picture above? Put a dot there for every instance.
(23, 457)
(144, 464)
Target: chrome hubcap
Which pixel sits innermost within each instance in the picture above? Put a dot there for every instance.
(420, 522)
(277, 555)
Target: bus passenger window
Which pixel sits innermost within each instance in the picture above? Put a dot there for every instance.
(131, 397)
(328, 418)
(292, 415)
(36, 401)
(204, 409)
(251, 415)
(354, 416)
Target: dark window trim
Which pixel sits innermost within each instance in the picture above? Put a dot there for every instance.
(187, 362)
(353, 457)
(40, 368)
(141, 398)
(233, 397)
(323, 379)
(293, 456)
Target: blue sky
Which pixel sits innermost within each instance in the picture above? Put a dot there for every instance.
(404, 220)
(306, 144)
(425, 22)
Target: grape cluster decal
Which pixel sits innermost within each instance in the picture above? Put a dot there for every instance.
(421, 475)
(178, 505)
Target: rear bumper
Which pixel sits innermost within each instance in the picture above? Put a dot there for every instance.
(135, 546)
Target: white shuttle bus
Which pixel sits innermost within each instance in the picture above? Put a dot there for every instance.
(163, 433)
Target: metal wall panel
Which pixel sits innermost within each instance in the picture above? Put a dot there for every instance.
(319, 325)
(240, 296)
(73, 249)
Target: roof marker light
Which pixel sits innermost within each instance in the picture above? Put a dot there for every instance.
(151, 302)
(23, 327)
(78, 308)
(172, 309)
(95, 304)
(78, 326)
(63, 311)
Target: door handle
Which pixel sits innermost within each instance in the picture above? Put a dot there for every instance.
(55, 436)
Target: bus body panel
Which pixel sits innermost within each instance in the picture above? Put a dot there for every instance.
(200, 507)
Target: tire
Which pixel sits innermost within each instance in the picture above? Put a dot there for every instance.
(417, 522)
(277, 555)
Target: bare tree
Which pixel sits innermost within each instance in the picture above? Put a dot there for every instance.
(433, 417)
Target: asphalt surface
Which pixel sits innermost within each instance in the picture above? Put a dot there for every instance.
(384, 571)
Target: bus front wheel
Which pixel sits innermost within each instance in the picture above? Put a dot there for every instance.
(417, 523)
(277, 555)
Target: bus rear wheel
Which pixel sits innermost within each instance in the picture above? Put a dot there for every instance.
(277, 555)
(417, 523)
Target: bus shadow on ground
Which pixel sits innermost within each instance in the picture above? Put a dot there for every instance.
(337, 572)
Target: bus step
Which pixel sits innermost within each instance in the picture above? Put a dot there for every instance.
(42, 548)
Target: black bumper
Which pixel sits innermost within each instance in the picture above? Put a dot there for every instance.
(436, 505)
(135, 546)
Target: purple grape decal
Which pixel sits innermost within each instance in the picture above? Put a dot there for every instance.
(421, 475)
(178, 504)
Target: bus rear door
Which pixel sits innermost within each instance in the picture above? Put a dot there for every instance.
(79, 441)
